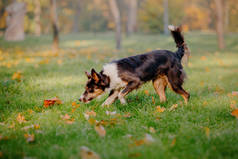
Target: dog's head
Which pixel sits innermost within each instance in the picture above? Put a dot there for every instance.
(95, 86)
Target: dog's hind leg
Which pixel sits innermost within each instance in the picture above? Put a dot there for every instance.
(160, 85)
(112, 97)
(176, 81)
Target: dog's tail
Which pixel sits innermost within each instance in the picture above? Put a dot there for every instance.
(179, 40)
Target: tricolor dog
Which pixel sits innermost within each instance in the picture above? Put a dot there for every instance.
(120, 77)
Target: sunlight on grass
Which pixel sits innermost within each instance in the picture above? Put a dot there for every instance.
(31, 74)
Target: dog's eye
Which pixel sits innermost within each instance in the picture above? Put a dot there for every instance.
(91, 90)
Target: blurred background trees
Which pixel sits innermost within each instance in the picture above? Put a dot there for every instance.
(143, 16)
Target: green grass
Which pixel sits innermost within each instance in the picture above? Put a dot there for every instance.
(202, 129)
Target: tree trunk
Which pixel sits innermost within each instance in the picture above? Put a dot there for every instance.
(76, 16)
(219, 24)
(227, 10)
(37, 17)
(54, 21)
(166, 17)
(132, 17)
(15, 21)
(116, 15)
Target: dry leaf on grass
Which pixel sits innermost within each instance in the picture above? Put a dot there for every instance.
(51, 102)
(234, 93)
(235, 113)
(17, 76)
(100, 130)
(152, 130)
(67, 119)
(20, 118)
(173, 142)
(173, 107)
(160, 109)
(207, 131)
(29, 137)
(86, 153)
(89, 114)
(111, 113)
(147, 92)
(148, 139)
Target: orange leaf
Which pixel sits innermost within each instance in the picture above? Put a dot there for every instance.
(235, 113)
(100, 130)
(160, 109)
(139, 142)
(153, 100)
(17, 76)
(147, 92)
(173, 142)
(20, 118)
(51, 102)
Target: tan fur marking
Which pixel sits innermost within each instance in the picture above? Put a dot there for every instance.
(159, 85)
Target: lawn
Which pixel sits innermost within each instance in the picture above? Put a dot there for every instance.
(31, 73)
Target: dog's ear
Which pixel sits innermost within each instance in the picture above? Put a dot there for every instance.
(95, 75)
(87, 74)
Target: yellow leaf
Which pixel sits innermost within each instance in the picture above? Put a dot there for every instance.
(207, 131)
(100, 130)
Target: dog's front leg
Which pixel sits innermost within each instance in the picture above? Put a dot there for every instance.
(111, 98)
(130, 87)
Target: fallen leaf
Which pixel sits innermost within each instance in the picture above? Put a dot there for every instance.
(127, 115)
(234, 93)
(152, 130)
(147, 92)
(233, 104)
(148, 139)
(65, 117)
(139, 142)
(111, 113)
(86, 153)
(87, 114)
(100, 130)
(51, 102)
(17, 76)
(134, 155)
(235, 113)
(160, 109)
(20, 118)
(173, 107)
(207, 131)
(153, 100)
(203, 58)
(173, 142)
(92, 121)
(29, 137)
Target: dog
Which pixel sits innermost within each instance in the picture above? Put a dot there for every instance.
(120, 77)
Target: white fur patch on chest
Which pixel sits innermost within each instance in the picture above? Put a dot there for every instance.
(111, 71)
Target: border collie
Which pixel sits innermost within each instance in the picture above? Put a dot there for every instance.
(122, 76)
